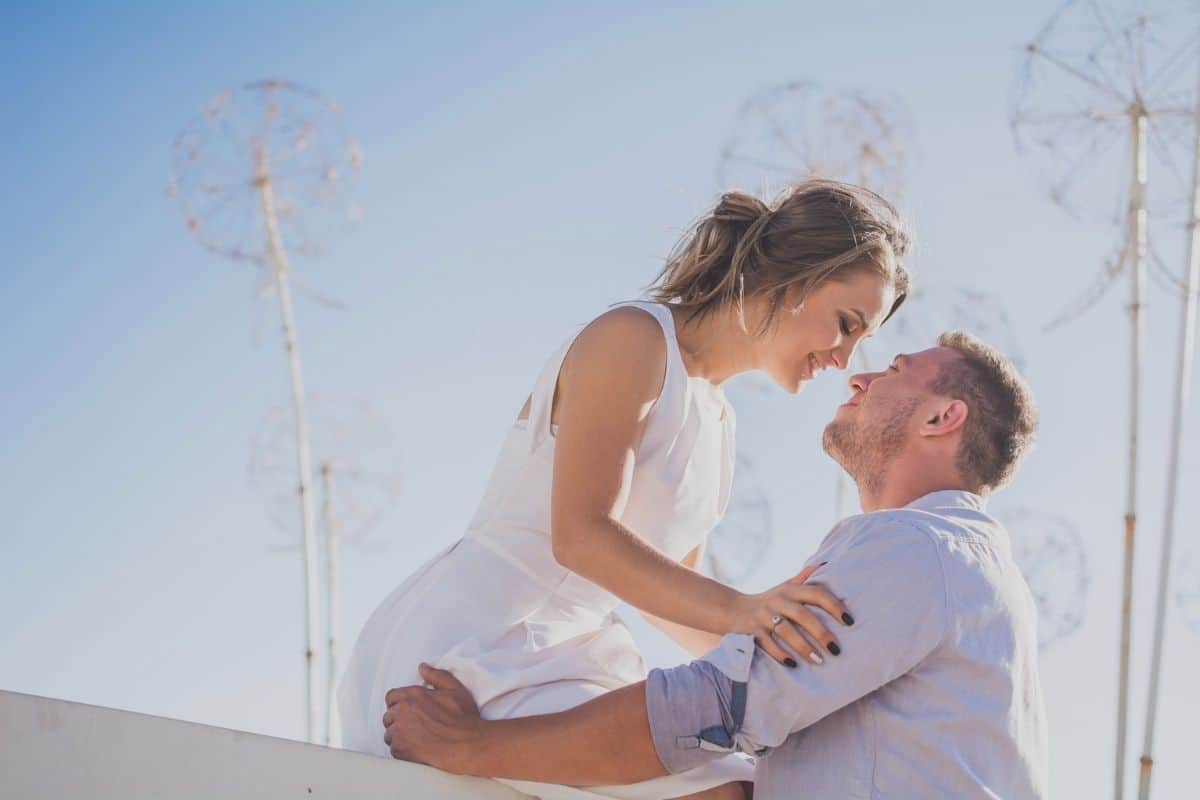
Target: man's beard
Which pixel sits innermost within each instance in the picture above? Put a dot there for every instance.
(865, 450)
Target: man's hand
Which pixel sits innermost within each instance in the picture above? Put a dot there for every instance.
(438, 726)
(603, 741)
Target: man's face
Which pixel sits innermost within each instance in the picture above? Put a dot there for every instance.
(883, 414)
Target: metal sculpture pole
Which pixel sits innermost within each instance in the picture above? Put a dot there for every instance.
(359, 479)
(256, 174)
(1104, 77)
(333, 597)
(303, 461)
(1183, 376)
(1137, 254)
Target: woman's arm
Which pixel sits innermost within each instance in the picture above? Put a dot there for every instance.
(607, 385)
(693, 641)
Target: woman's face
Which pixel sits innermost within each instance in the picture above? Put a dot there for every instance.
(824, 331)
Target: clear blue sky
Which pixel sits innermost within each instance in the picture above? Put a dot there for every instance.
(525, 167)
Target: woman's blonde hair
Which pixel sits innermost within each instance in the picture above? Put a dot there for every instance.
(816, 231)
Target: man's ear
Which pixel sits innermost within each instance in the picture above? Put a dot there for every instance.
(946, 418)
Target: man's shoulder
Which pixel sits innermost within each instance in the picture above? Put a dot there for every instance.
(934, 526)
(894, 525)
(893, 538)
(943, 548)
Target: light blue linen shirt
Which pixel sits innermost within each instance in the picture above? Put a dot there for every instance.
(935, 693)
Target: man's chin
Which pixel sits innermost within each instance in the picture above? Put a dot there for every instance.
(831, 441)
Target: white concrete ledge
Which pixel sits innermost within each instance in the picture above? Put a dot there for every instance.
(51, 749)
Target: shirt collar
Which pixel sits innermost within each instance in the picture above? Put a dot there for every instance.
(948, 498)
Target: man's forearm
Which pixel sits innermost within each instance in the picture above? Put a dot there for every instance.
(604, 741)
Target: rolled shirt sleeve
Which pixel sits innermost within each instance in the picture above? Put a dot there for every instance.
(889, 575)
(694, 711)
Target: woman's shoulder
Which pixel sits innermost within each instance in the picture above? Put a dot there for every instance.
(630, 329)
(628, 342)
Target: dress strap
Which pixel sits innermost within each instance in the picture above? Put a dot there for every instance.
(665, 321)
(541, 399)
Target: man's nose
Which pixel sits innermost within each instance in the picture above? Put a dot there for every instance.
(861, 381)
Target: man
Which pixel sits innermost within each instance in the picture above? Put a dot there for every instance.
(935, 692)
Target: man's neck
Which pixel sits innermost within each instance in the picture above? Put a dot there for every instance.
(906, 481)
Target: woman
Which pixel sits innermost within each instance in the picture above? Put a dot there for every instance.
(620, 464)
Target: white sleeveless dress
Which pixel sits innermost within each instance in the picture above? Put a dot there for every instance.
(525, 634)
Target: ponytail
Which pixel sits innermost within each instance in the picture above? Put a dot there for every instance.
(813, 232)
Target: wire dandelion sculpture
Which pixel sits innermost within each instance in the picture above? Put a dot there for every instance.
(798, 130)
(931, 311)
(359, 479)
(1050, 552)
(740, 542)
(1092, 79)
(259, 174)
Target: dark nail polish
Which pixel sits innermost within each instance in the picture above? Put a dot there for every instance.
(846, 618)
(791, 662)
(833, 648)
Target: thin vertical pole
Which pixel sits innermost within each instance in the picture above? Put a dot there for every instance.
(280, 267)
(1183, 377)
(1137, 234)
(333, 599)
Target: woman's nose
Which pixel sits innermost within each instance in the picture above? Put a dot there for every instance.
(843, 355)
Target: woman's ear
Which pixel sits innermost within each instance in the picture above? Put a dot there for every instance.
(947, 418)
